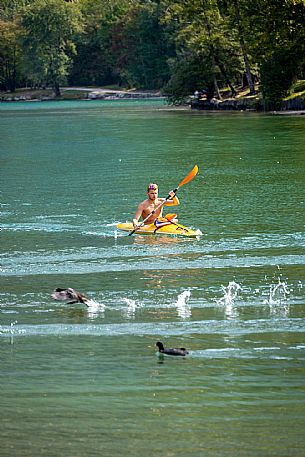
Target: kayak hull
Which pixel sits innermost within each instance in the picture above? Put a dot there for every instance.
(150, 229)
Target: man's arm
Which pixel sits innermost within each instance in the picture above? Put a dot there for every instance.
(137, 216)
(175, 200)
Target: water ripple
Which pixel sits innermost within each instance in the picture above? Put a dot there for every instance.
(227, 327)
(41, 264)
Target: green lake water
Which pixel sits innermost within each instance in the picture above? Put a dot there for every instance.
(80, 381)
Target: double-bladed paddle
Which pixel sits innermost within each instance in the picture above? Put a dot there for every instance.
(187, 179)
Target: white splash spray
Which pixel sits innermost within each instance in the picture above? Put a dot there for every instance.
(12, 331)
(230, 294)
(130, 311)
(184, 310)
(278, 294)
(95, 309)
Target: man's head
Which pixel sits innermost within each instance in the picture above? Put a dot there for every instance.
(152, 191)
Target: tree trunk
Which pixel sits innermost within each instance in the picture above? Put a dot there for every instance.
(243, 48)
(56, 89)
(216, 88)
(223, 71)
(215, 58)
(247, 68)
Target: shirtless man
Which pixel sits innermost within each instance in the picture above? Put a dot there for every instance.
(151, 203)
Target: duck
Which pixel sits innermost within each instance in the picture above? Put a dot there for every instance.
(70, 294)
(182, 352)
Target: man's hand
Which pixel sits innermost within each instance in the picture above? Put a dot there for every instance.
(172, 194)
(135, 223)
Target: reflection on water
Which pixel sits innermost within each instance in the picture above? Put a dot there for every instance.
(160, 240)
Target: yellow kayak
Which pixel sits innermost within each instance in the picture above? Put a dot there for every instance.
(150, 229)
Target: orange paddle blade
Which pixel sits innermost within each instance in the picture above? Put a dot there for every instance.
(170, 216)
(189, 177)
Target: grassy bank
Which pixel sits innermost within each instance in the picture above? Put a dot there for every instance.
(242, 101)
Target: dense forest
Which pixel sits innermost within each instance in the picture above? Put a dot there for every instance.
(176, 46)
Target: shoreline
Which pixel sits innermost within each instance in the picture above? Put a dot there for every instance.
(99, 93)
(76, 93)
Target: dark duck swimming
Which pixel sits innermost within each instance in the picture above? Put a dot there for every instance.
(70, 294)
(182, 352)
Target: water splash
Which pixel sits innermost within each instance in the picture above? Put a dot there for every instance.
(277, 296)
(278, 293)
(183, 309)
(130, 311)
(230, 294)
(95, 309)
(12, 331)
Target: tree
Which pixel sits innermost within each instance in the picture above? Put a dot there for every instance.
(145, 47)
(237, 9)
(95, 60)
(9, 51)
(48, 28)
(203, 33)
(187, 76)
(182, 45)
(278, 73)
(278, 45)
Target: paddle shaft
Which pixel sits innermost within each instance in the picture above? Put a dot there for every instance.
(179, 225)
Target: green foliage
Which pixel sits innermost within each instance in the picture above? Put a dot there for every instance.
(95, 60)
(9, 51)
(48, 27)
(278, 46)
(203, 31)
(187, 77)
(9, 9)
(145, 47)
(175, 45)
(278, 73)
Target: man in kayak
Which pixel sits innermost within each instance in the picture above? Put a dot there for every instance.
(153, 204)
